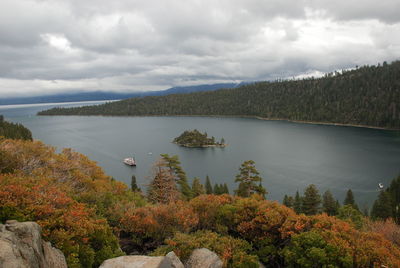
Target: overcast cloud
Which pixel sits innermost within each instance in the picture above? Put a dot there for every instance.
(51, 46)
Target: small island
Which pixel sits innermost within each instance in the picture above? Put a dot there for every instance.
(196, 139)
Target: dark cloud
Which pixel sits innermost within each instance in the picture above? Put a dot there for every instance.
(55, 45)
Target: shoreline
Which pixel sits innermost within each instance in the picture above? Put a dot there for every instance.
(246, 116)
(203, 146)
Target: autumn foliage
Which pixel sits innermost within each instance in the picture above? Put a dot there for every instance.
(89, 216)
(67, 194)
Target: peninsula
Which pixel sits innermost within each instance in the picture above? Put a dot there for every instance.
(196, 139)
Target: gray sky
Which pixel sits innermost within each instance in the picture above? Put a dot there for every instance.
(51, 46)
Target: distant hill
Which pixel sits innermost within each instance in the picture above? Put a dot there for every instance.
(368, 96)
(101, 95)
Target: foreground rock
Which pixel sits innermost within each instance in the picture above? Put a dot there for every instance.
(138, 262)
(175, 261)
(203, 258)
(21, 246)
(200, 258)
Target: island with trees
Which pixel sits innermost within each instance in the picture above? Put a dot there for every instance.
(196, 139)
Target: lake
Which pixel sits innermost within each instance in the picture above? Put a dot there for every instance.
(289, 156)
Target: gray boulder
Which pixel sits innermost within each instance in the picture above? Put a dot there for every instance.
(203, 258)
(176, 262)
(137, 262)
(21, 246)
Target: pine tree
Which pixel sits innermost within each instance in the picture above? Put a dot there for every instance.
(134, 186)
(349, 200)
(288, 201)
(176, 170)
(247, 178)
(298, 203)
(218, 189)
(260, 190)
(197, 187)
(163, 188)
(394, 192)
(382, 208)
(209, 189)
(311, 200)
(329, 204)
(226, 189)
(222, 141)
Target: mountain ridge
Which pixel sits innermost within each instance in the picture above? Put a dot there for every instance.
(108, 95)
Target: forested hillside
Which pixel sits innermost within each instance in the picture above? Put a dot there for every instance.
(14, 131)
(369, 95)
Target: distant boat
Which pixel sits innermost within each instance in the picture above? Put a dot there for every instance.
(130, 161)
(150, 153)
(380, 185)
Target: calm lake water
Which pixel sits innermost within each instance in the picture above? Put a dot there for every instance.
(289, 156)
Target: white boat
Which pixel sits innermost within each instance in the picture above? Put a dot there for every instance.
(130, 161)
(380, 185)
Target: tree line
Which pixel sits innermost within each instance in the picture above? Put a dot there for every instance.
(363, 96)
(14, 131)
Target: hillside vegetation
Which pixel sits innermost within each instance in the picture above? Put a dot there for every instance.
(364, 96)
(90, 216)
(14, 131)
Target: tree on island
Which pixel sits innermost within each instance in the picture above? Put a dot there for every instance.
(195, 138)
(248, 177)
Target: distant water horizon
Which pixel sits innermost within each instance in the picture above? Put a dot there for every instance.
(289, 155)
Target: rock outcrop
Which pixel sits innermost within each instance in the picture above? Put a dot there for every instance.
(137, 262)
(21, 246)
(175, 261)
(203, 258)
(200, 258)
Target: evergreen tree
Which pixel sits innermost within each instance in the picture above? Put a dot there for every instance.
(222, 141)
(209, 189)
(349, 200)
(226, 189)
(134, 186)
(329, 204)
(176, 170)
(382, 208)
(298, 203)
(288, 201)
(247, 178)
(218, 189)
(260, 190)
(163, 188)
(311, 200)
(197, 187)
(394, 192)
(14, 131)
(348, 212)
